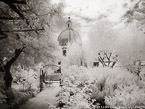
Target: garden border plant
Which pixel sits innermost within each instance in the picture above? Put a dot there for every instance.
(101, 87)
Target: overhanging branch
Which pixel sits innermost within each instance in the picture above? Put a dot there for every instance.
(19, 2)
(27, 30)
(13, 7)
(2, 35)
(10, 18)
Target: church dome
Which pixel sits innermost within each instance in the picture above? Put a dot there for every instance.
(69, 35)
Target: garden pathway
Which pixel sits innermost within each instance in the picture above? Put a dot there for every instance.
(43, 98)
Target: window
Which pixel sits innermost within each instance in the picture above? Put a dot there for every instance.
(64, 52)
(95, 64)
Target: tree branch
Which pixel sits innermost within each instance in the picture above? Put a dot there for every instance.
(13, 59)
(108, 56)
(13, 7)
(101, 60)
(4, 36)
(19, 2)
(10, 18)
(27, 30)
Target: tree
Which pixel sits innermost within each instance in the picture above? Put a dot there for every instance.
(25, 24)
(6, 68)
(136, 14)
(102, 40)
(106, 58)
(130, 44)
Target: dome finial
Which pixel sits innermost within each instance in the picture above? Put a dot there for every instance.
(69, 23)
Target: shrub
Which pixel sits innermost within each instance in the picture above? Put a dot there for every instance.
(102, 87)
(75, 91)
(135, 69)
(127, 96)
(14, 98)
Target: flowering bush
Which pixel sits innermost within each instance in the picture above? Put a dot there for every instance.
(73, 98)
(130, 92)
(135, 69)
(117, 87)
(87, 88)
(127, 96)
(28, 80)
(75, 91)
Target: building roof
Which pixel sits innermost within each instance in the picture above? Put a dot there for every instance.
(69, 35)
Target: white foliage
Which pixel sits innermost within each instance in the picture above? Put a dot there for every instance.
(117, 86)
(75, 54)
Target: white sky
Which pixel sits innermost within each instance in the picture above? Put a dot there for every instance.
(92, 9)
(87, 12)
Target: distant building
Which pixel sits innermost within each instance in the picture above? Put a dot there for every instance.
(67, 37)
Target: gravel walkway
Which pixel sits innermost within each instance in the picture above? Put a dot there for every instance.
(43, 98)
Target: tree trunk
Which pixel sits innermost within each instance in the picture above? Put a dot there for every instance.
(109, 63)
(113, 64)
(8, 76)
(102, 61)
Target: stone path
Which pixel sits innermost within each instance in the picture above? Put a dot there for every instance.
(43, 98)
